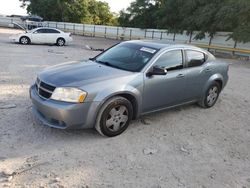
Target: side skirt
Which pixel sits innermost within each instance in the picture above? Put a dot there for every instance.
(169, 107)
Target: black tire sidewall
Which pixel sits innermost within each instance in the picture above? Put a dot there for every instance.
(205, 99)
(20, 40)
(57, 42)
(117, 102)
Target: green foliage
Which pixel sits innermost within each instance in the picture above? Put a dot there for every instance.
(177, 16)
(235, 17)
(100, 14)
(78, 11)
(141, 13)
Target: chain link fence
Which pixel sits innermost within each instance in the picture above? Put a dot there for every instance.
(220, 43)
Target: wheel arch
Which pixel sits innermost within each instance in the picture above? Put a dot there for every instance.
(127, 95)
(26, 37)
(218, 78)
(61, 38)
(214, 78)
(219, 81)
(132, 99)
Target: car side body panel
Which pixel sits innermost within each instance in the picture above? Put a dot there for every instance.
(163, 90)
(196, 78)
(149, 93)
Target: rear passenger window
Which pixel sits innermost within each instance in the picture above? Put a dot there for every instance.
(52, 31)
(195, 58)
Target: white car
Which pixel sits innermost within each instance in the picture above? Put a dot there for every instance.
(43, 35)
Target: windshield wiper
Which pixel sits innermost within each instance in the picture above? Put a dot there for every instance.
(106, 63)
(103, 62)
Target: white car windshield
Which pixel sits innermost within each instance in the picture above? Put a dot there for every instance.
(31, 31)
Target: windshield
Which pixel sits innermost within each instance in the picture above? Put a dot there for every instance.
(31, 31)
(127, 56)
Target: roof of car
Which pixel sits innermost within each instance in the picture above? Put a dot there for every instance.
(159, 44)
(45, 28)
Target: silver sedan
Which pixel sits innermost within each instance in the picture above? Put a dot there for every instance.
(126, 81)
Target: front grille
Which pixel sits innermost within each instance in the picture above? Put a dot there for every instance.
(44, 90)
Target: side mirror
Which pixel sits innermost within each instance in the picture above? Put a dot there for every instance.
(157, 71)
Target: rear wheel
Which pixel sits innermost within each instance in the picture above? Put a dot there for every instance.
(211, 95)
(24, 40)
(60, 42)
(114, 117)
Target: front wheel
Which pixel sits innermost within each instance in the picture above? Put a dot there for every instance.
(211, 95)
(114, 117)
(24, 40)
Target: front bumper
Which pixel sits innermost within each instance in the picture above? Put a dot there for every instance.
(63, 115)
(14, 38)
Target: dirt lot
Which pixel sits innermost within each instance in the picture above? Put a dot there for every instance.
(184, 147)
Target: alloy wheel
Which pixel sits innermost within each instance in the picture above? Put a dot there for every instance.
(60, 42)
(24, 40)
(117, 118)
(212, 95)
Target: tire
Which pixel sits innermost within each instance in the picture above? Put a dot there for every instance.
(114, 117)
(211, 95)
(24, 40)
(60, 42)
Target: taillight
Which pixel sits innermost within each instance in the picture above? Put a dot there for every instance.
(70, 34)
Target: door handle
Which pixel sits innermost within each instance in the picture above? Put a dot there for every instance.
(180, 76)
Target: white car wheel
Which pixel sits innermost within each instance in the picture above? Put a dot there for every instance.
(60, 42)
(24, 40)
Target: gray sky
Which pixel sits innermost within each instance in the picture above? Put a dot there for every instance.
(13, 6)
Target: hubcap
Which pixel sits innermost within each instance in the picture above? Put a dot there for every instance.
(60, 42)
(117, 118)
(212, 95)
(24, 40)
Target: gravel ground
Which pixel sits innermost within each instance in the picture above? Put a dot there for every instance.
(183, 147)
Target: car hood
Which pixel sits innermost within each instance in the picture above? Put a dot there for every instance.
(77, 74)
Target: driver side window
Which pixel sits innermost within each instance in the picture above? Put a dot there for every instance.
(171, 60)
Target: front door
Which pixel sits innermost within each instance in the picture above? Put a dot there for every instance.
(161, 91)
(39, 36)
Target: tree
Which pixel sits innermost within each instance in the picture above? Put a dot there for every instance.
(141, 13)
(78, 11)
(99, 13)
(191, 15)
(171, 15)
(235, 16)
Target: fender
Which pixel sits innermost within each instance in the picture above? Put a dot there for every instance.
(108, 93)
(213, 78)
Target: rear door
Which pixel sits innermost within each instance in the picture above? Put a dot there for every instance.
(161, 91)
(198, 72)
(52, 35)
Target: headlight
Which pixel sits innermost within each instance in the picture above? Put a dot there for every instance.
(69, 95)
